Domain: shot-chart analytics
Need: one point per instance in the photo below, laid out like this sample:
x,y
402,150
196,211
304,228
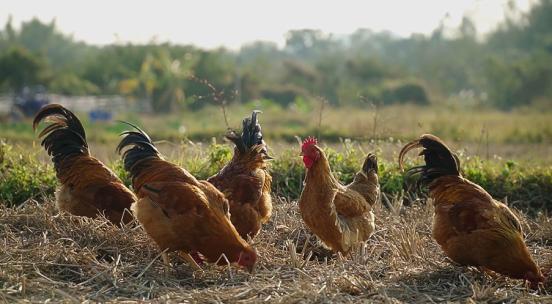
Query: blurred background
x,y
475,72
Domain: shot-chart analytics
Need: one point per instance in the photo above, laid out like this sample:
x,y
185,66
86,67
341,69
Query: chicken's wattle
x,y
308,161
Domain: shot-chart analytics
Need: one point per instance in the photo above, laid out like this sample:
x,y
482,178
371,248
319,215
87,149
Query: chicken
x,y
340,216
470,226
179,212
245,180
88,188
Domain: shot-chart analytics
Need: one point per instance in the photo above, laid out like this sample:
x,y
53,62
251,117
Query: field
x,y
477,126
68,259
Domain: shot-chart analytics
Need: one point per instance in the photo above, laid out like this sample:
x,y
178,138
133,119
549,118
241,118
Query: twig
x,y
217,95
374,105
487,143
323,102
45,277
66,295
150,263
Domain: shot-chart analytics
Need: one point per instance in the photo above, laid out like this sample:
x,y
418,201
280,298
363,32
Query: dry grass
x,y
451,123
61,258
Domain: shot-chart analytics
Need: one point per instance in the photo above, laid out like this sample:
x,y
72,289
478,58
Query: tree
x,y
19,68
161,79
468,29
308,43
7,37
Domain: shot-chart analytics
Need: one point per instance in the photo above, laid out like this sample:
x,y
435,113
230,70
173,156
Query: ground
x,y
62,258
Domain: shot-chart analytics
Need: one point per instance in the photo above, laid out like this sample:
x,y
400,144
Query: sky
x,y
232,23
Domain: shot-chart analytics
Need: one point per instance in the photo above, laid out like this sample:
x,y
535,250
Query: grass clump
x,y
23,177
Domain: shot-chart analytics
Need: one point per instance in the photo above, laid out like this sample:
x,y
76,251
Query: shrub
x,y
283,95
527,187
406,92
23,177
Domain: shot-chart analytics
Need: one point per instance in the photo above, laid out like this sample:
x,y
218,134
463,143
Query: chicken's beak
x,y
251,269
268,157
301,154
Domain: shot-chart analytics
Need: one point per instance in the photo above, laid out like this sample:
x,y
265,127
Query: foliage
x,y
520,80
160,79
283,95
18,67
405,92
22,177
528,187
71,84
507,69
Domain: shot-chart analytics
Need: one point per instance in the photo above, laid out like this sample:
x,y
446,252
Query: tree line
x,y
510,67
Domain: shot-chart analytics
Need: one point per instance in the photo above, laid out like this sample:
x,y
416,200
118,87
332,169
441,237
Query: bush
x,y
527,187
23,177
283,95
407,92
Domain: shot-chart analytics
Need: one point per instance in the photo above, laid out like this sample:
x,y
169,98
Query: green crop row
x,y
23,176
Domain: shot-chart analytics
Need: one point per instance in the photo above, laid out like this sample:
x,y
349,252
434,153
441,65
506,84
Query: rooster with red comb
x,y
340,216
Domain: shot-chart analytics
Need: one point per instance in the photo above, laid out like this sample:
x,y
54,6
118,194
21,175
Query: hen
x,y
340,216
88,188
470,226
179,212
245,180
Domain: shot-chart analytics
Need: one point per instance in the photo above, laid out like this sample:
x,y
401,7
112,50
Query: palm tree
x,y
161,80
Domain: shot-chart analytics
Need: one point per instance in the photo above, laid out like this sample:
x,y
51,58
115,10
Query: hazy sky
x,y
231,23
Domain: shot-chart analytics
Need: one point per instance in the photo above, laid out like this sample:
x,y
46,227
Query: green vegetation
x,y
528,187
23,177
511,67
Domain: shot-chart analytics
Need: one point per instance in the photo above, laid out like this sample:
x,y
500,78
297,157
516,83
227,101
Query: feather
x,y
439,160
64,137
141,147
251,133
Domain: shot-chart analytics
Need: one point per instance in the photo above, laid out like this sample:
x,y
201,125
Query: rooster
x,y
340,216
470,226
88,188
179,212
245,180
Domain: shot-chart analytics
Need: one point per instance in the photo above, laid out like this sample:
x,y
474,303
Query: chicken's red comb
x,y
309,141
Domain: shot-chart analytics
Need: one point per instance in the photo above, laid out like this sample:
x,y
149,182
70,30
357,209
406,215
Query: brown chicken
x,y
179,212
245,180
470,226
340,216
88,187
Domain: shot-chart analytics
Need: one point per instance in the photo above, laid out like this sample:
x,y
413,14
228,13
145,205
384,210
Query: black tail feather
x,y
65,135
141,147
370,164
251,133
439,160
